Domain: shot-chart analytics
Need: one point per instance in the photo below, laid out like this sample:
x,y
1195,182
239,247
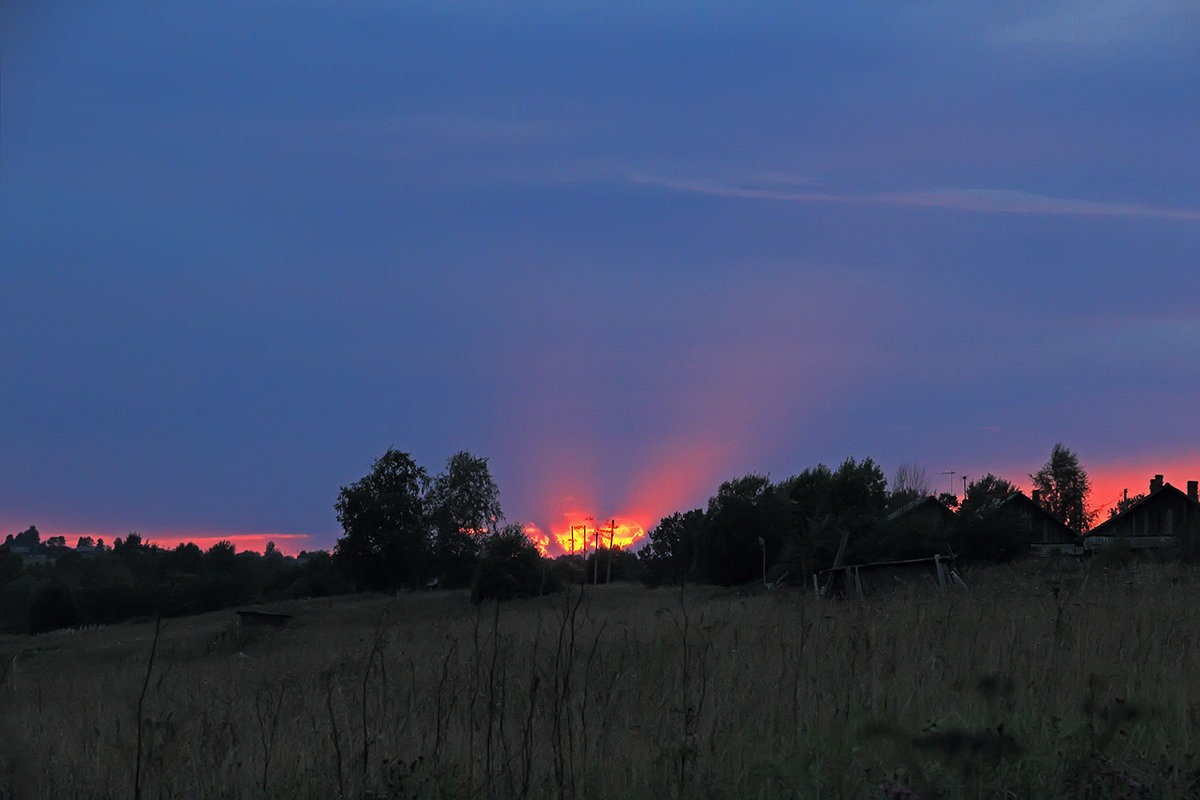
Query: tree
x,y
1063,488
383,516
727,549
28,538
984,493
910,483
1125,503
985,530
667,555
511,567
464,507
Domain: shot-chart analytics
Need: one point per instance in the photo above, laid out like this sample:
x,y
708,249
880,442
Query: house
x,y
926,513
1045,533
1155,521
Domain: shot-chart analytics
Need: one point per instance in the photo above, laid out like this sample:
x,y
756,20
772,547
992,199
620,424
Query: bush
x,y
511,567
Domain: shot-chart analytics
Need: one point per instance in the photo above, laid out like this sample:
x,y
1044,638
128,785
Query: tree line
x,y
403,528
753,528
46,585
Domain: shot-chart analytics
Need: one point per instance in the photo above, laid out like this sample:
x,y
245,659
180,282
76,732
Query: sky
x,y
625,250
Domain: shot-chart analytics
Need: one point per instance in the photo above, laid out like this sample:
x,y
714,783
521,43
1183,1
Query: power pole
x,y
951,473
612,530
964,477
596,558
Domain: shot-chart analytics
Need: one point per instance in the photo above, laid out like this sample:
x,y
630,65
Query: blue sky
x,y
248,246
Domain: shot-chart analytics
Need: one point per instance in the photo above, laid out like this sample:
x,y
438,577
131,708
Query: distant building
x,y
1044,532
1155,521
927,513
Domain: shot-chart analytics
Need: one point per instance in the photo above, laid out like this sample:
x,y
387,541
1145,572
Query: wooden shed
x,y
864,579
248,619
1044,532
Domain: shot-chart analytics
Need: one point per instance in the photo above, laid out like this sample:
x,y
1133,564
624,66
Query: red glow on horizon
x,y
1110,481
289,544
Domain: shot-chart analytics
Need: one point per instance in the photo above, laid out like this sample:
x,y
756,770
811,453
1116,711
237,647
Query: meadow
x,y
1044,679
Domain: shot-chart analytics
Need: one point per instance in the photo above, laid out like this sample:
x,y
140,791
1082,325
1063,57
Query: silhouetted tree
x,y
984,529
27,538
727,549
985,492
511,567
667,554
464,506
1064,487
1124,503
386,530
948,499
909,483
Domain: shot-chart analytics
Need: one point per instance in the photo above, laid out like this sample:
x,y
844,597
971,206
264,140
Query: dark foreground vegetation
x,y
1046,679
403,529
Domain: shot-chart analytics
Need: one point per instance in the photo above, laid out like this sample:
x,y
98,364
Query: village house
x,y
1045,533
1155,521
927,513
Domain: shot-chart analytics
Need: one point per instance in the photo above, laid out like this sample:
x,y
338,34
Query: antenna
x,y
951,473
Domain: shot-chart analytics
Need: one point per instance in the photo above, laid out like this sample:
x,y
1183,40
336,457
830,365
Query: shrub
x,y
511,567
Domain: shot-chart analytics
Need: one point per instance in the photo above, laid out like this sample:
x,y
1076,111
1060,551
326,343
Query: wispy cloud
x,y
1013,201
1102,23
979,200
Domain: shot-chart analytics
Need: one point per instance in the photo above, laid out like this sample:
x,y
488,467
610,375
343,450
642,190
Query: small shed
x,y
251,619
864,579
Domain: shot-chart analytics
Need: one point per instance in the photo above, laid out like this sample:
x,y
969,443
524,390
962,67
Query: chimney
x,y
1036,496
1193,492
1156,483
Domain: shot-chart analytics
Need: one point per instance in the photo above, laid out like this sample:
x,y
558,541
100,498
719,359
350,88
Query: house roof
x,y
1019,498
913,505
1166,490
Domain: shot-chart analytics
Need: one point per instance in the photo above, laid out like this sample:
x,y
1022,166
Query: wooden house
x,y
1155,521
927,513
1045,533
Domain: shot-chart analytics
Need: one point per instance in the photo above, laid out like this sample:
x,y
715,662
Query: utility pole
x,y
612,530
964,477
951,473
763,543
596,558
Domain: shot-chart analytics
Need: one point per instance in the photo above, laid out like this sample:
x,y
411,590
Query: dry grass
x,y
1041,681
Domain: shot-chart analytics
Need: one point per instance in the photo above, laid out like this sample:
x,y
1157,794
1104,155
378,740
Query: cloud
x,y
979,200
1101,23
1011,201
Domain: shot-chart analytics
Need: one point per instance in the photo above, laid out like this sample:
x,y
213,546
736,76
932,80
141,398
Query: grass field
x,y
1043,680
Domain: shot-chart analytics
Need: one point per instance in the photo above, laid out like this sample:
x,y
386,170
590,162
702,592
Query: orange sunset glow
x,y
579,533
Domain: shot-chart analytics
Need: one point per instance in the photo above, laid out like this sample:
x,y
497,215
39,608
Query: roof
x,y
1020,498
913,505
1165,490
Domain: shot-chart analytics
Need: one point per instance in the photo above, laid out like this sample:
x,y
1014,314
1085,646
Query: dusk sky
x,y
626,250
